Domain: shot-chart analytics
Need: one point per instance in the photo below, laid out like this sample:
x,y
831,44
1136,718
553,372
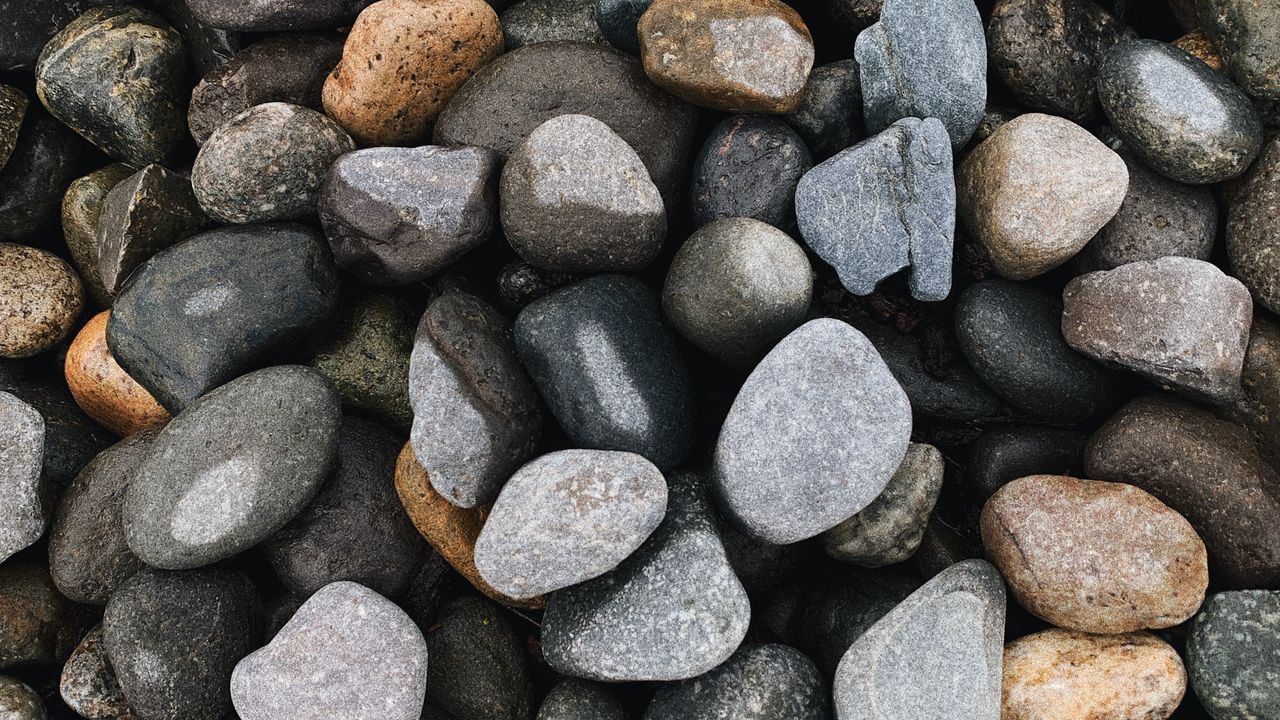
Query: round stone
x,y
88,684
477,664
24,514
829,116
574,699
760,682
1233,654
749,168
1007,452
39,626
40,300
102,388
1252,238
1244,33
534,21
18,701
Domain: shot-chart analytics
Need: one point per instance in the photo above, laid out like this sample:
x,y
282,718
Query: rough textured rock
x,y
534,21
890,529
760,682
574,699
748,167
829,116
102,388
1244,33
1094,556
477,670
48,157
1259,407
269,15
520,283
29,25
1252,238
1008,452
208,47
617,20
81,209
40,300
365,353
88,684
71,439
18,701
13,107
24,514
1233,654
39,627
140,216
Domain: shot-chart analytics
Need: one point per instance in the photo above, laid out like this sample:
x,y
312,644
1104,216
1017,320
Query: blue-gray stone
x,y
760,682
1233,654
618,19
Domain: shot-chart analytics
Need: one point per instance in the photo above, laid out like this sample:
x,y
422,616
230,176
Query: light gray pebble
x,y
23,514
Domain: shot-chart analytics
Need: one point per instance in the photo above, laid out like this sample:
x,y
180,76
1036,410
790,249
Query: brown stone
x,y
1197,44
38,626
89,686
40,300
102,388
744,56
1064,675
81,208
1095,556
402,62
451,530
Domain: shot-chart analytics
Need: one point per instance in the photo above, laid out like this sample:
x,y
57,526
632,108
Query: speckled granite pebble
x,y
40,300
574,699
760,682
18,701
534,21
13,107
1233,654
88,684
25,511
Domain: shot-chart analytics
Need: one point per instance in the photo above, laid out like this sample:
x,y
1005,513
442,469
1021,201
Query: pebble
x,y
1064,675
625,359
25,514
395,216
924,60
403,60
47,158
204,311
13,107
814,435
81,209
102,388
476,414
736,287
672,611
534,21
1184,120
1180,322
29,25
890,529
884,204
574,699
149,630
18,701
855,16
829,117
617,21
39,627
267,163
40,300
1007,452
140,216
1233,654
193,501
1252,240
1094,556
207,47
749,167
270,15
478,670
951,631
347,651
71,439
520,283
1036,191
1259,407
760,682
740,56
88,684
1244,33
117,76
1204,467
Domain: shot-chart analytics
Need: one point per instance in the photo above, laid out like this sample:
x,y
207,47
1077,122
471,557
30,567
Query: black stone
x,y
476,669
28,25
830,114
1009,452
47,158
749,167
618,20
272,15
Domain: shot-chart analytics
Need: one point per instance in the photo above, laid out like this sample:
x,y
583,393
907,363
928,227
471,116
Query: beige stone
x,y
40,300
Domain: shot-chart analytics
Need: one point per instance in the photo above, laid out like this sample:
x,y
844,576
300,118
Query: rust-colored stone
x,y
1199,45
102,388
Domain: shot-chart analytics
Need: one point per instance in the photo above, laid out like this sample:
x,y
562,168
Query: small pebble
x,y
1233,654
40,300
1007,452
1244,33
268,15
1252,216
81,209
748,167
13,107
18,701
88,684
829,116
617,21
140,216
534,21
520,283
25,514
477,665
39,626
574,699
760,682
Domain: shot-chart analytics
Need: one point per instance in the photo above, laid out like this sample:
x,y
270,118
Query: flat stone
x,y
1007,452
24,514
534,21
1180,322
365,354
884,204
760,682
88,684
194,501
18,701
1184,120
13,107
577,199
47,158
347,651
40,300
829,116
28,26
81,209
1233,654
813,436
1252,240
270,15
395,216
749,167
71,439
671,611
1244,33
102,388
1259,407
1094,556
478,669
39,626
617,20
951,630
1036,191
140,216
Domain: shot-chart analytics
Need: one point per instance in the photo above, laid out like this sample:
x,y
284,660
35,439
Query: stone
x,y
574,699
1005,453
760,682
402,61
1036,191
749,168
672,611
13,107
626,359
148,630
267,163
1252,239
1065,675
365,354
891,528
1243,34
288,68
140,216
520,283
1047,53
567,517
736,287
476,414
829,116
208,48
617,21
39,627
750,56
884,204
854,16
89,558
71,439
951,630
18,701
1198,45
1094,556
204,311
760,566
395,216
1233,654
117,76
358,501
575,198
29,25
1184,120
25,513
88,684
1204,467
534,21
1010,333
1258,409
1180,322
272,15
47,158
81,209
40,300
346,651
478,670
813,436
924,60
513,95
102,388
193,501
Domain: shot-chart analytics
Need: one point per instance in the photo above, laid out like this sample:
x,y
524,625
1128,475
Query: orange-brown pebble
x,y
102,388
402,62
451,530
40,300
1198,44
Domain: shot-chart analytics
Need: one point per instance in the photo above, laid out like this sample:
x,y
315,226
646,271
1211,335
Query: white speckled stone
x,y
23,514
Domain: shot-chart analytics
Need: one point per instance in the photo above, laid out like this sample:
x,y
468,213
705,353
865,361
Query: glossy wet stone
x,y
534,21
140,216
1252,240
748,167
365,354
25,512
1233,652
88,684
829,116
81,209
40,300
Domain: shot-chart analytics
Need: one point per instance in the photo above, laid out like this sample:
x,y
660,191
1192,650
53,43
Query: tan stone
x,y
1197,44
102,388
402,62
40,300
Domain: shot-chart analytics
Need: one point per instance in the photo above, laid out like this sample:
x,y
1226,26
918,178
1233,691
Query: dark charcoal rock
x,y
574,699
142,215
617,20
39,627
47,158
830,114
272,15
477,669
1252,240
760,682
1233,654
534,21
71,439
760,566
81,209
88,684
13,107
520,283
749,168
28,26
1245,34
208,48
1009,452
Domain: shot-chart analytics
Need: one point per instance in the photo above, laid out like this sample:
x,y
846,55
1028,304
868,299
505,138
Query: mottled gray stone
x,y
1233,654
1253,243
760,682
1244,33
924,60
23,514
347,652
567,517
534,21
88,684
18,701
830,114
813,436
883,204
476,415
576,198
140,216
950,631
671,611
233,468
365,353
395,216
748,167
1180,322
477,665
574,699
269,15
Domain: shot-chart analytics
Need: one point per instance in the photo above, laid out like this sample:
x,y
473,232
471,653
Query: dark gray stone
x,y
208,48
1009,452
574,699
24,514
39,626
760,682
18,701
535,21
88,684
274,15
71,439
1244,33
760,566
477,666
140,216
749,168
81,210
617,20
855,15
520,283
830,114
28,26
1233,654
13,107
47,158
1253,245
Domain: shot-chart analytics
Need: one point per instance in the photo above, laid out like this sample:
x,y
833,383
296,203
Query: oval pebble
x,y
40,300
102,388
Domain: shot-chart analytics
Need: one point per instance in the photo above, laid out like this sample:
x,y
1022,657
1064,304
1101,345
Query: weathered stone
x,y
1258,409
520,283
81,209
534,21
574,699
39,626
71,439
48,157
1233,654
270,15
208,48
1198,45
102,388
1244,33
1252,237
18,701
40,300
25,511
760,682
365,354
13,107
28,26
829,116
88,684
749,167
1005,453
140,216
477,665
617,20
